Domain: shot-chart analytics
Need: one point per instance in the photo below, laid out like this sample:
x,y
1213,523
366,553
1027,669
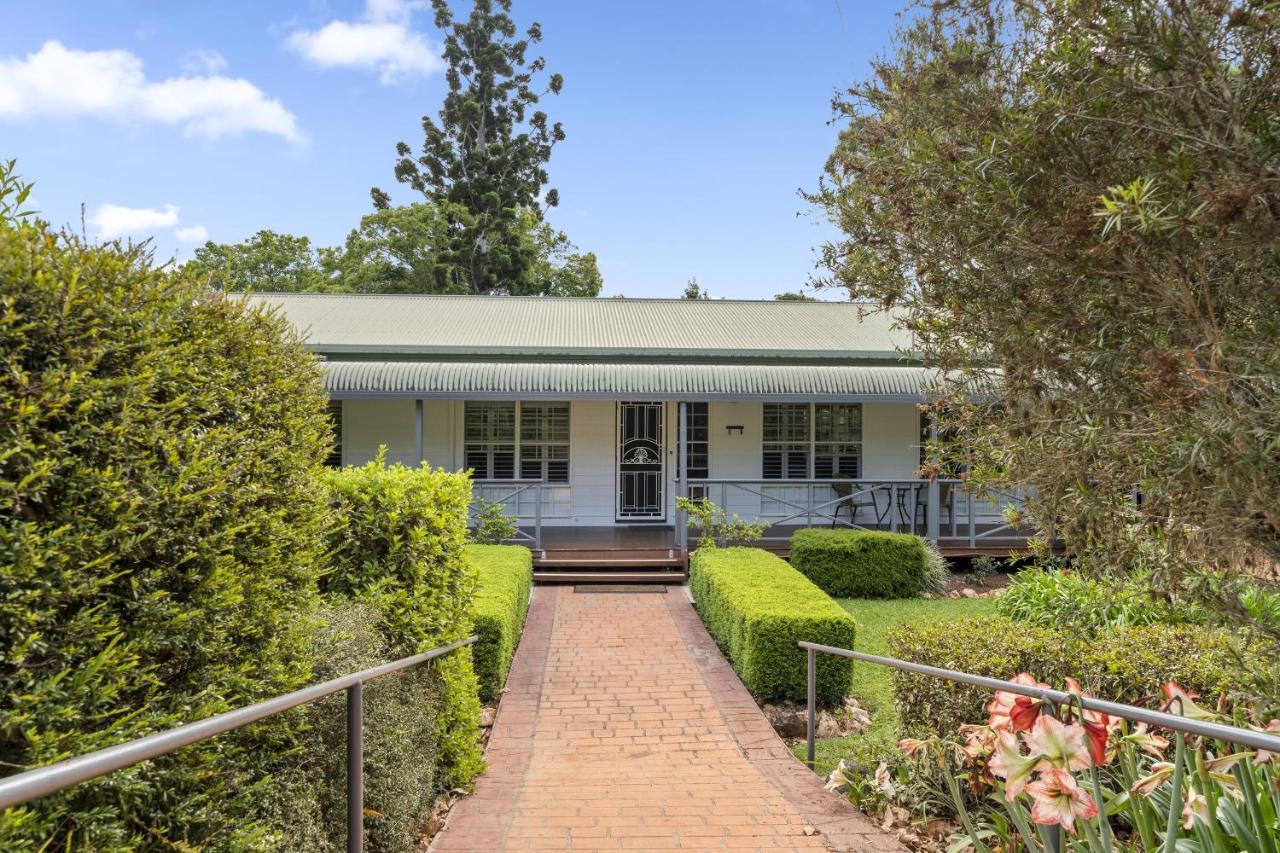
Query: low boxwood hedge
x,y
1127,665
861,563
504,579
758,608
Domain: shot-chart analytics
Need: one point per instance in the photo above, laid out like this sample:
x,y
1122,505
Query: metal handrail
x,y
1200,728
24,787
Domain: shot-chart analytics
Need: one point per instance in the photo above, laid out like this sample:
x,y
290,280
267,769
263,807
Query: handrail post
x,y
537,517
812,691
973,527
355,768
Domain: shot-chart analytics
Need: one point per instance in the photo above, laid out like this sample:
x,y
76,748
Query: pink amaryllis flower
x,y
1149,742
1194,807
1057,745
1014,711
912,746
1097,726
1011,765
1263,756
1160,773
1179,701
1057,799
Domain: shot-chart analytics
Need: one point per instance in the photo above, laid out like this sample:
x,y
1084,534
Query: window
x,y
787,441
334,460
697,447
489,436
697,454
804,440
492,444
837,449
544,442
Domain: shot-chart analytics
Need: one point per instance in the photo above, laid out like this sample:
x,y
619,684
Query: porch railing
x,y
24,787
508,493
1054,698
938,509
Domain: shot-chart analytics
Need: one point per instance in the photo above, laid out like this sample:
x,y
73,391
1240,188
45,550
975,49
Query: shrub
x,y
399,547
757,608
861,564
401,750
505,577
493,525
718,529
1053,597
1120,665
160,530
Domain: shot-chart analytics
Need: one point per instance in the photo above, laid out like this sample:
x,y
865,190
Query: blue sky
x,y
690,124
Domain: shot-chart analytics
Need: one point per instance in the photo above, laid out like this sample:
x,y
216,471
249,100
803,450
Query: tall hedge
x,y
502,599
758,608
160,530
1123,665
399,546
861,563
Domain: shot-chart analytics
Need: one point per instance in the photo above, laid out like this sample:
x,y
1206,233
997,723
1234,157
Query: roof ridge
x,y
571,299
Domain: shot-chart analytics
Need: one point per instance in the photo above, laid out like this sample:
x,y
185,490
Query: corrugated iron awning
x,y
523,380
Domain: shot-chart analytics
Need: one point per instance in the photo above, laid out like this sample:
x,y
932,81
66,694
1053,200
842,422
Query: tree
x,y
396,250
794,296
484,161
693,290
1085,197
267,261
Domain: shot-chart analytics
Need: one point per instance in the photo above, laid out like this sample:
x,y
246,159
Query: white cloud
x,y
204,62
382,40
114,221
194,234
59,81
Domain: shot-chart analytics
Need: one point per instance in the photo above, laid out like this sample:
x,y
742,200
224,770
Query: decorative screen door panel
x,y
640,462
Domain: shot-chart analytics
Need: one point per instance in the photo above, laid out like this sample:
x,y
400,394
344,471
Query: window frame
x,y
543,450
835,449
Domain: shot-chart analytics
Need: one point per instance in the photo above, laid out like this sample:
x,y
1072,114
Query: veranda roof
x,y
525,380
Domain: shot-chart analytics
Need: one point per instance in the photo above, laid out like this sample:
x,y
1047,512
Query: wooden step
x,y
610,562
608,576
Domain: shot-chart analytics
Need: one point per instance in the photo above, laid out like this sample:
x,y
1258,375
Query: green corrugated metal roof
x,y
448,327
511,380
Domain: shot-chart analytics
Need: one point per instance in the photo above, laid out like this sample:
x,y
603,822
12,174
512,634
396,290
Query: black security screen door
x,y
640,461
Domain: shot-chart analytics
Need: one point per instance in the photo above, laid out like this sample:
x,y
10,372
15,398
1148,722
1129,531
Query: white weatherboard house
x,y
588,417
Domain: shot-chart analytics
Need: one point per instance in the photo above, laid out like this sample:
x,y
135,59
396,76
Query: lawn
x,y
872,685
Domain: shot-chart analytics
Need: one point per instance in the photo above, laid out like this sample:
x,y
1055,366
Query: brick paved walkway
x,y
624,728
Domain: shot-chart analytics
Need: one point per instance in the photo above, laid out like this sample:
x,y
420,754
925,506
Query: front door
x,y
640,462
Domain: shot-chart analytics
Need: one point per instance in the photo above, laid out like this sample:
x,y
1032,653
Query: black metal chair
x,y
865,499
922,503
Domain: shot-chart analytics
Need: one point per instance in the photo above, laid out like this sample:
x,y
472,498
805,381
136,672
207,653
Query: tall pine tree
x,y
484,161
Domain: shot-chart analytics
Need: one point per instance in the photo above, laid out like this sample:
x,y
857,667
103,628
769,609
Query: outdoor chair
x,y
866,499
922,503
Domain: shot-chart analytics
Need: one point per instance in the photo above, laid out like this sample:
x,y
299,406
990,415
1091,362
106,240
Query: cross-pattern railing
x,y
938,509
511,501
24,787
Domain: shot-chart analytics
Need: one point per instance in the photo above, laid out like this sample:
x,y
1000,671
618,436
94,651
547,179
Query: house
x,y
587,418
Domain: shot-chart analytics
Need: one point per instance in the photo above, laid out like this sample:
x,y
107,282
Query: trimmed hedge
x,y
401,744
757,607
161,526
399,546
1120,665
505,578
861,564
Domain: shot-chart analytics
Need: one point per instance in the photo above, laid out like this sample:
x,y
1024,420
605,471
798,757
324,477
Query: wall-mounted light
x,y
734,429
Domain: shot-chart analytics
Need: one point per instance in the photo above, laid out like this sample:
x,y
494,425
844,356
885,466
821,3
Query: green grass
x,y
872,685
